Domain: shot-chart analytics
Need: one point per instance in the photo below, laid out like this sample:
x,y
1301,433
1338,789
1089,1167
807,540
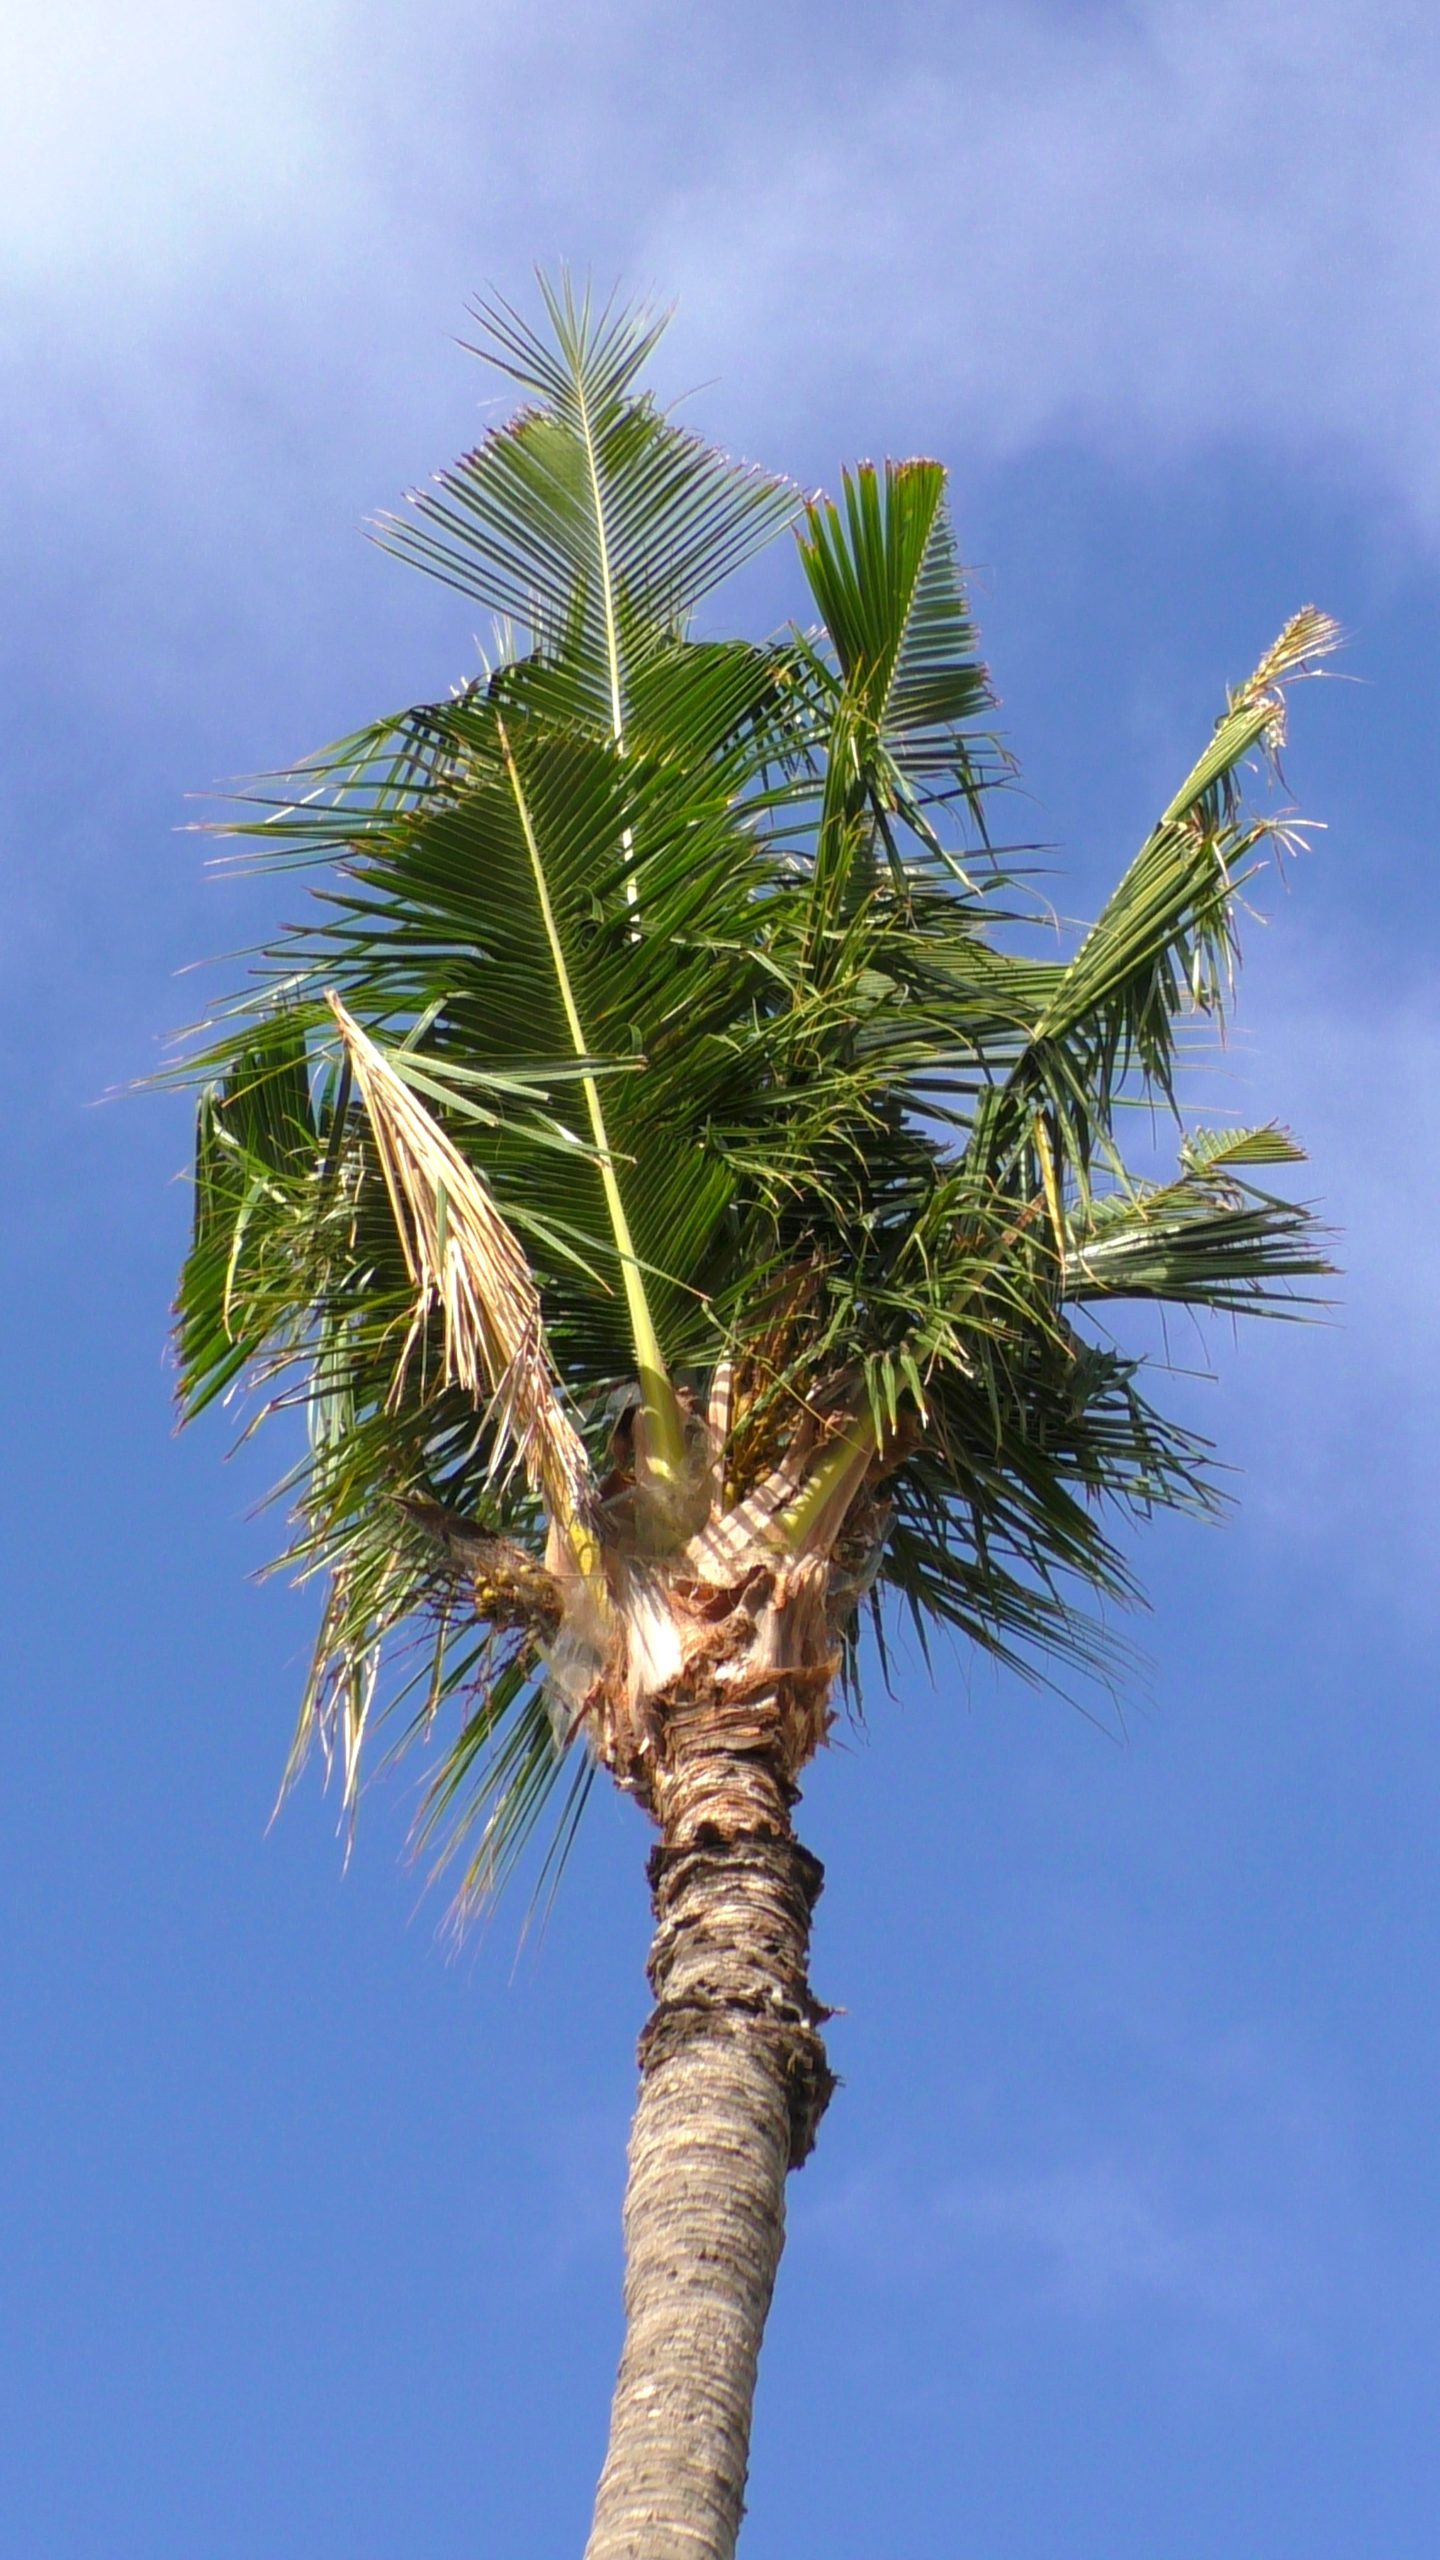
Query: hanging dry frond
x,y
465,1258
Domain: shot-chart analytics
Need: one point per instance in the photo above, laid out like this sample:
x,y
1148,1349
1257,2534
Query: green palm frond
x,y
884,572
1163,949
1210,1240
590,516
908,687
654,1024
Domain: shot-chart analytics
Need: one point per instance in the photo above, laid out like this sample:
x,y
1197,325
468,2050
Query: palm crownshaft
x,y
675,1208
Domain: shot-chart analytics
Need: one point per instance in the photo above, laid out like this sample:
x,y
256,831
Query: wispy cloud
x,y
133,142
1102,2239
1147,231
1338,1435
1103,2233
1227,2213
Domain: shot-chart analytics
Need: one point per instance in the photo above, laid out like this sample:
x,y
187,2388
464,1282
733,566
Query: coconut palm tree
x,y
687,1198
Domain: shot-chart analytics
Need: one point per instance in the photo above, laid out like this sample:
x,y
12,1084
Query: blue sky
x,y
1123,2236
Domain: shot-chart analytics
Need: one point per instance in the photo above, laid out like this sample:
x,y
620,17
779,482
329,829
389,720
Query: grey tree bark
x,y
734,2081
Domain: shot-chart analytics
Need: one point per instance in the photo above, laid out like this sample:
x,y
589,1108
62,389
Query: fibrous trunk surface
x,y
733,2071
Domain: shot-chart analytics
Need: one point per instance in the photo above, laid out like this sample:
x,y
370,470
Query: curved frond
x,y
1163,947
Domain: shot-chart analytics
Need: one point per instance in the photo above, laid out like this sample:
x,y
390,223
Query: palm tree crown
x,y
667,1126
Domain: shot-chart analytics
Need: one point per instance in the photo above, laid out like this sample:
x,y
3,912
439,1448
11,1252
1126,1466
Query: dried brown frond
x,y
465,1259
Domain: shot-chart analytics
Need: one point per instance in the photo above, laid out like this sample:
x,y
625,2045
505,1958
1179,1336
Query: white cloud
x,y
1148,230
1105,2238
1145,232
1338,1433
133,139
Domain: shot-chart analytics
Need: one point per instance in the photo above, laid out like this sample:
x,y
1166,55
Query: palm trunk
x,y
733,2084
